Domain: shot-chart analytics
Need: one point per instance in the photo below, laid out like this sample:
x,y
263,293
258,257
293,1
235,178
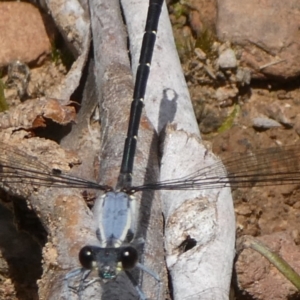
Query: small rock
x,y
225,93
244,211
186,32
215,46
243,76
200,54
276,112
265,123
209,70
227,60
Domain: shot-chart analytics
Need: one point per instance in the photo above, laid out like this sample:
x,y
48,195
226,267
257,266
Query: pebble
x,y
225,93
243,76
227,59
200,54
276,112
265,123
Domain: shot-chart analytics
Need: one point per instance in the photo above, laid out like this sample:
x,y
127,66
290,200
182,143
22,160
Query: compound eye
x,y
86,257
129,258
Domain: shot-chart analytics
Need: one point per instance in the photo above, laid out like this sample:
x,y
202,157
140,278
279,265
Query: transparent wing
x,y
271,166
18,167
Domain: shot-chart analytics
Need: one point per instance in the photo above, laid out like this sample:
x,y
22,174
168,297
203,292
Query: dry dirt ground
x,y
259,211
271,213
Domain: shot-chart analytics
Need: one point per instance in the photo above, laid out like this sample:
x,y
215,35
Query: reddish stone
x,y
23,35
267,30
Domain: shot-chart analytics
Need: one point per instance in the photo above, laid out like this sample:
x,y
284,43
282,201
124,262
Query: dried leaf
x,y
33,114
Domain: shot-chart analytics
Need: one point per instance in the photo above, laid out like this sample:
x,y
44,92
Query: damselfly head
x,y
103,260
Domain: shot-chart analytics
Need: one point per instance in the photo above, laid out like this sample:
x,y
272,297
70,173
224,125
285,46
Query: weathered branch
x,y
203,272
